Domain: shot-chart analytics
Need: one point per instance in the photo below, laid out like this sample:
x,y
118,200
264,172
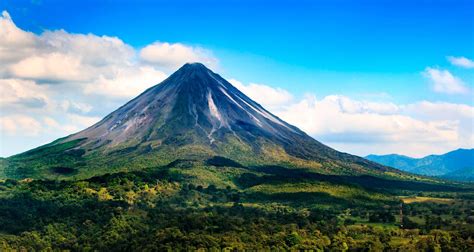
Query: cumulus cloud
x,y
101,65
50,67
426,110
14,124
362,127
174,55
444,82
83,121
412,129
329,118
22,94
15,43
75,107
267,96
126,83
59,57
461,61
30,126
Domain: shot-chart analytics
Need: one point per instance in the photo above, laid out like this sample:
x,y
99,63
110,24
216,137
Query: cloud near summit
x,y
175,55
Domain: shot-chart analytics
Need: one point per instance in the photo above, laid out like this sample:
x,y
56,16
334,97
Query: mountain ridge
x,y
457,164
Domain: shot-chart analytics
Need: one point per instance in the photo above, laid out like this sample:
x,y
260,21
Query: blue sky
x,y
366,51
304,46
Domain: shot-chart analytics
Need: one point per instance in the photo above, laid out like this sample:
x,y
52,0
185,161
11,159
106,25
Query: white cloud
x,y
51,122
350,106
329,117
362,127
22,94
267,96
75,107
444,82
14,43
426,110
126,83
100,65
83,121
19,124
461,61
89,48
71,123
414,129
50,67
174,55
59,57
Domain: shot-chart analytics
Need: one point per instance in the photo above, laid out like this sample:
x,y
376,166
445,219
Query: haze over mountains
x,y
193,116
457,164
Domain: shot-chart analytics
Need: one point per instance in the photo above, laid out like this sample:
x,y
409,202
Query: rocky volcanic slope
x,y
194,117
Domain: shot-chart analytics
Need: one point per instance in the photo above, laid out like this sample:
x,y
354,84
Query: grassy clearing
x,y
339,191
418,199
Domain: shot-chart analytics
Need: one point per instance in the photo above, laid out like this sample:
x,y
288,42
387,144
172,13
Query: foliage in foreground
x,y
165,209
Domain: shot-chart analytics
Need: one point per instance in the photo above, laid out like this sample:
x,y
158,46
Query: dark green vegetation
x,y
457,165
223,204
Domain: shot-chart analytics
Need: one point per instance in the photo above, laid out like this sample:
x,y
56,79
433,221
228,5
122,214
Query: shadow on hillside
x,y
296,198
279,174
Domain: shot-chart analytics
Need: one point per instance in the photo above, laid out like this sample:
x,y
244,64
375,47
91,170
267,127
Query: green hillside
x,y
223,204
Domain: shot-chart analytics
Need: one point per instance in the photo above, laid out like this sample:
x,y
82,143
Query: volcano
x,y
195,117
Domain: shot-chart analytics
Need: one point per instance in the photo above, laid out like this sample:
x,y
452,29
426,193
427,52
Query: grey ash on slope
x,y
198,103
193,98
195,108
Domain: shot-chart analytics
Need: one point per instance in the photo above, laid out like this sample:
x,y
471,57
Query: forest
x,y
165,209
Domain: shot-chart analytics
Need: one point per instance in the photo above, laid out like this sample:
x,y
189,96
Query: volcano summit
x,y
194,116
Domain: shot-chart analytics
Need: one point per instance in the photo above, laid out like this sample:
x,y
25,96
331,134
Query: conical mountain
x,y
194,115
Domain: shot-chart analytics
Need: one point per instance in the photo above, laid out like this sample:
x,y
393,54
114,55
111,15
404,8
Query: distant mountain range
x,y
457,164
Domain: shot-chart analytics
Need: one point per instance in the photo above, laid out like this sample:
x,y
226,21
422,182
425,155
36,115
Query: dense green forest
x,y
270,208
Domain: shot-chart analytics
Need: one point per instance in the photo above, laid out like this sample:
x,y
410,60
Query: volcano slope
x,y
193,163
193,116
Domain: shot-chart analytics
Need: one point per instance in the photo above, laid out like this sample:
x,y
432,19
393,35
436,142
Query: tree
x,y
293,239
339,243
